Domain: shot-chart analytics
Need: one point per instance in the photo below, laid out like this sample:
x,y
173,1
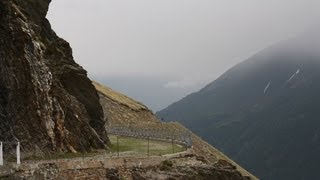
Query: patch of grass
x,y
121,98
61,155
140,146
71,155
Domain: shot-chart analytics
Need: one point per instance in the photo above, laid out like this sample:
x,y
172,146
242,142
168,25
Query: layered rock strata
x,y
46,100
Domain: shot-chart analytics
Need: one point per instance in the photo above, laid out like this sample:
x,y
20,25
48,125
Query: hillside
x,y
124,111
263,111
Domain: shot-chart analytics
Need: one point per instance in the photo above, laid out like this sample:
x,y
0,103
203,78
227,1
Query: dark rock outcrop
x,y
46,99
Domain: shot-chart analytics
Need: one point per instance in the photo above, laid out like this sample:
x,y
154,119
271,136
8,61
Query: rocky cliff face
x,y
46,100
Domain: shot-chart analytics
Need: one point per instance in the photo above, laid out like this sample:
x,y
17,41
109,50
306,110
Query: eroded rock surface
x,y
134,168
46,100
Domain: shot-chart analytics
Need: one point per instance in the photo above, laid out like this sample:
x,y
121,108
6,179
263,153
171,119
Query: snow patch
x,y
294,74
267,87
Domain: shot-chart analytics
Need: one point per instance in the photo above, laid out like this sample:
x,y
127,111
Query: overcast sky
x,y
186,43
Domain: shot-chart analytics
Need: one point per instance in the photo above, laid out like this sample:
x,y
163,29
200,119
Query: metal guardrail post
x,y
148,147
1,154
35,153
172,146
118,145
18,154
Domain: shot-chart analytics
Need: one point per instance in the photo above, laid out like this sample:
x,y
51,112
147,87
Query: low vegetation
x,y
140,146
123,99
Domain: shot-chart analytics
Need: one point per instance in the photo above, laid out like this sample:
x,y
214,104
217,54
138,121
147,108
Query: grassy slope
x,y
120,98
140,146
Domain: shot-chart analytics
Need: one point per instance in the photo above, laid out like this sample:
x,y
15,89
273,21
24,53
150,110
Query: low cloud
x,y
188,83
180,84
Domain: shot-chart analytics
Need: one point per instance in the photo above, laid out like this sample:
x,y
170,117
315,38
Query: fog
x,y
171,48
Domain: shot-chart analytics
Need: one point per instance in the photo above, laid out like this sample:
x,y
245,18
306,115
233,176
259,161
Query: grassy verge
x,y
53,156
140,146
126,145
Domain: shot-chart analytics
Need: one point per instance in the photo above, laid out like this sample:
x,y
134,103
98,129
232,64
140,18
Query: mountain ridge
x,y
261,107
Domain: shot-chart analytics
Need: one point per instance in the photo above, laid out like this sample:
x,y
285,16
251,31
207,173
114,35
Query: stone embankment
x,y
183,165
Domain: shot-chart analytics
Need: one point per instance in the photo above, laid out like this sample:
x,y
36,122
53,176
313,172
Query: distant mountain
x,y
263,112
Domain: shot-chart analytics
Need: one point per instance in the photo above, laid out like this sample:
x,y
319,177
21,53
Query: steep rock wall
x,y
46,100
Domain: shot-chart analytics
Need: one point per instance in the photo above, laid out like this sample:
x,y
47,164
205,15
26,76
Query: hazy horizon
x,y
172,48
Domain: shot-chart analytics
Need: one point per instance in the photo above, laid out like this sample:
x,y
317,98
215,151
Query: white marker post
x,y
1,154
18,154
